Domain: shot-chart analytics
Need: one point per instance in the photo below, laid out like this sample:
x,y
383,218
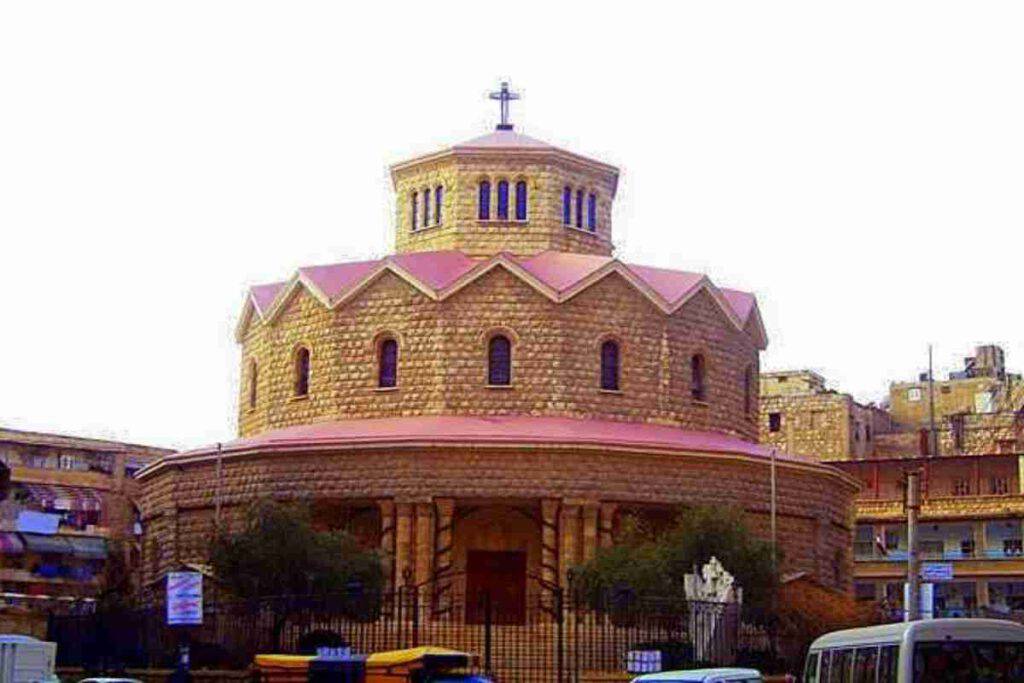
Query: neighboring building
x,y
973,491
70,503
799,415
486,404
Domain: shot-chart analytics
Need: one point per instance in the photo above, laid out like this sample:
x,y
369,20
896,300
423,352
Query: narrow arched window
x,y
698,381
592,212
253,382
426,207
499,361
302,371
567,205
521,201
579,208
610,366
484,202
502,200
438,201
387,364
748,390
415,208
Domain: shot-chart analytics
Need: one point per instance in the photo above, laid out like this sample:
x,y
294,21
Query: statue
x,y
714,600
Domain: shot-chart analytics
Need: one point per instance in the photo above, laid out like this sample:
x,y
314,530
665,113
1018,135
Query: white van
x,y
983,650
703,676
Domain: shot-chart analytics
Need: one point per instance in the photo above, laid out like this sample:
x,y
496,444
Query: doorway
x,y
500,578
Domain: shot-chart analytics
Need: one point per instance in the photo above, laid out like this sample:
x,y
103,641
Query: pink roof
x,y
263,295
436,269
506,139
334,280
671,285
495,431
741,302
560,270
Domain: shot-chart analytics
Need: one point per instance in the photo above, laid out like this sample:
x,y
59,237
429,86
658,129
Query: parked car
x,y
703,676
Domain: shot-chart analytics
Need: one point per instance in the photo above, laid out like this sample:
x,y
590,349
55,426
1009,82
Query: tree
x,y
280,553
647,563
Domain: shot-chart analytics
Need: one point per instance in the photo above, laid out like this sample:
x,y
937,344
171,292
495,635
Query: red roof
x,y
510,430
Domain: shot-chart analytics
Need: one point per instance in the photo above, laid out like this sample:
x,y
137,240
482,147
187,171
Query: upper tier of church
x,y
504,192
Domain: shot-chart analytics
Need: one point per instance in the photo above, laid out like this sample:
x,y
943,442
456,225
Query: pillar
x,y
570,533
444,511
607,528
549,514
981,592
403,543
980,538
424,553
387,539
590,516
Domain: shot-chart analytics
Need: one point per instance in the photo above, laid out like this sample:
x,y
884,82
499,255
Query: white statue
x,y
714,598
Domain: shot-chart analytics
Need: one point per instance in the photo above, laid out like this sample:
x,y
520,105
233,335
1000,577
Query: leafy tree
x,y
652,564
280,553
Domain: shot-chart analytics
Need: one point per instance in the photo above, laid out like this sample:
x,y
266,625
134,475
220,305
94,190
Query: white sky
x,y
858,165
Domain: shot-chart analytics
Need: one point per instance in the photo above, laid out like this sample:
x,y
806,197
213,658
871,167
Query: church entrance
x,y
500,577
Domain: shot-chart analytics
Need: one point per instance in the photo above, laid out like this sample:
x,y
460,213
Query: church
x,y
487,403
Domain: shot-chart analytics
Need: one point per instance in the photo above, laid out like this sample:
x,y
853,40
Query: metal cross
x,y
504,96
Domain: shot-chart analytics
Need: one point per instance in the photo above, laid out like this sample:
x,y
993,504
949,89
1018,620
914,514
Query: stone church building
x,y
485,404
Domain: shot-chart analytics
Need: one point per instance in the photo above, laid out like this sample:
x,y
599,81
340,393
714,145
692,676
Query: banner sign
x,y
184,599
937,571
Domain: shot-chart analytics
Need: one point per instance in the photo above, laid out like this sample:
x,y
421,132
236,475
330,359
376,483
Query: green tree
x,y
652,564
280,553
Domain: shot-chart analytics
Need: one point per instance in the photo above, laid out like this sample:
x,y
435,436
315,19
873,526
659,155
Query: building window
x,y
774,422
253,378
867,432
502,200
914,394
484,202
998,486
567,205
610,366
579,208
698,387
415,209
302,371
426,208
961,486
387,364
592,213
748,391
521,200
499,361
438,201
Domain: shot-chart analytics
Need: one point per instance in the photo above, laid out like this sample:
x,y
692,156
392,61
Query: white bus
x,y
931,651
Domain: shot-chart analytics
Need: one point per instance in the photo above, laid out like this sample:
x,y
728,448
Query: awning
x,y
50,545
10,544
70,498
88,547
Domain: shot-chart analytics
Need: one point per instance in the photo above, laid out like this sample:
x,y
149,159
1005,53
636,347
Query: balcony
x,y
946,508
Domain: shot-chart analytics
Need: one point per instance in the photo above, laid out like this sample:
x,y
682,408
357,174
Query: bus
x,y
930,651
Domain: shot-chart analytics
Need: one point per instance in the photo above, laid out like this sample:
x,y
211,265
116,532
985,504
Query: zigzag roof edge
x,y
513,265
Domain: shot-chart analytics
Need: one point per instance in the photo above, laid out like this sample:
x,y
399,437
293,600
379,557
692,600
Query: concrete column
x,y
981,592
549,513
590,516
387,539
980,539
444,509
570,533
607,528
424,542
404,560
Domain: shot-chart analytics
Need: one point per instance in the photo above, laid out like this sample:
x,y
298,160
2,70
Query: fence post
x,y
559,606
415,615
488,616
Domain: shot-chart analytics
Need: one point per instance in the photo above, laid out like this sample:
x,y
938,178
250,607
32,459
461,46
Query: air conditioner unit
x,y
24,659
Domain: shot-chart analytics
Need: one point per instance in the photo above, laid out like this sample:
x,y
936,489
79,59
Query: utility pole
x,y
217,488
934,450
913,606
773,506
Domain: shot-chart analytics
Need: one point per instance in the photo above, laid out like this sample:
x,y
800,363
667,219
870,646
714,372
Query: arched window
x,y
302,371
592,212
484,203
502,200
438,201
748,390
415,210
567,205
426,207
521,200
698,381
387,364
579,208
610,366
499,361
253,379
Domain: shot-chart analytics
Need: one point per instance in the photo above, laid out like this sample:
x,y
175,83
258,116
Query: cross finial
x,y
504,96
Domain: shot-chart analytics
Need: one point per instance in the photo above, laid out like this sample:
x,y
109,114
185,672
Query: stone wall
x,y
556,359
814,501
